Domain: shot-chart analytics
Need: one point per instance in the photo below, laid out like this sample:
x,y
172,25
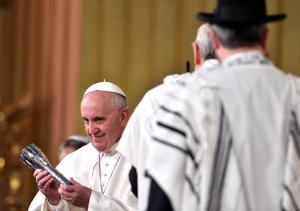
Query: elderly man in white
x,y
98,173
135,140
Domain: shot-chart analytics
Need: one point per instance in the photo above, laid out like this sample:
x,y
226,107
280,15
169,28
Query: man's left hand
x,y
75,194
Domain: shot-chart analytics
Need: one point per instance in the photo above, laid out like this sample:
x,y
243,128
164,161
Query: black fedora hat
x,y
237,12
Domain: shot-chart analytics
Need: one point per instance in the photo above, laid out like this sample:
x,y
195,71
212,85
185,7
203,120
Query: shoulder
x,y
295,80
87,150
149,102
176,78
80,164
82,156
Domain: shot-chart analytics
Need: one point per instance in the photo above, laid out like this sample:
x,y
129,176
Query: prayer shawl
x,y
136,136
83,166
230,140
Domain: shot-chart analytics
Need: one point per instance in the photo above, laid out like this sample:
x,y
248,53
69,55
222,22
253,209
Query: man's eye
x,y
99,121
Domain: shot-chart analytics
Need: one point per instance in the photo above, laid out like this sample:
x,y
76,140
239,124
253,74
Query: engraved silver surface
x,y
34,158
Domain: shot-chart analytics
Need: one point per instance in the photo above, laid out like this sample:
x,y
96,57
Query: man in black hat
x,y
230,140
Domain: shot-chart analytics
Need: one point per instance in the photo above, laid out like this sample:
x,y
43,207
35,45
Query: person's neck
x,y
223,53
111,150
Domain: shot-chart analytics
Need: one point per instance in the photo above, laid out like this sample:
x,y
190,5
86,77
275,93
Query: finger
x,y
45,179
72,181
49,182
41,175
65,194
60,190
41,183
68,199
63,189
69,188
36,172
40,187
62,186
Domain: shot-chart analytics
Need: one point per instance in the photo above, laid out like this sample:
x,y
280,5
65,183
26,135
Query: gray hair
x,y
240,36
204,42
118,101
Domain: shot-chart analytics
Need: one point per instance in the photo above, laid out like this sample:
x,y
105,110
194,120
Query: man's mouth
x,y
97,136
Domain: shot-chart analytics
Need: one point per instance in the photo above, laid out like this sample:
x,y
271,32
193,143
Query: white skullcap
x,y
106,87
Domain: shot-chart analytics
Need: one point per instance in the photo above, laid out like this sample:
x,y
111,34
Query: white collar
x,y
210,63
247,57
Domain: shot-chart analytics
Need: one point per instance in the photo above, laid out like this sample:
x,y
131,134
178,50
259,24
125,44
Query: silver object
x,y
34,158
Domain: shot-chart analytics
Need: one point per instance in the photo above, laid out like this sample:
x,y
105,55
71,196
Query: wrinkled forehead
x,y
97,100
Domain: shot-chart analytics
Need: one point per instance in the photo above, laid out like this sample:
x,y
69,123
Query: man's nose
x,y
92,128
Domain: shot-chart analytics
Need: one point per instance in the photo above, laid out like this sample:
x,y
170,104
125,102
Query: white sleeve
x,y
40,203
62,205
37,202
100,202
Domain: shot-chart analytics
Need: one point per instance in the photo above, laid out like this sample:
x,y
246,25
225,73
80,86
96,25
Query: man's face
x,y
104,123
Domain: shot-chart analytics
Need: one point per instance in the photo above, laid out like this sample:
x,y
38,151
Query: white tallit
x,y
230,141
136,137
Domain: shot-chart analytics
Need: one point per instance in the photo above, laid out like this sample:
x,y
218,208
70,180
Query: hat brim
x,y
211,18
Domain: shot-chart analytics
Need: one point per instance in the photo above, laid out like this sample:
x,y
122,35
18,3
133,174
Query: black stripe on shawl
x,y
190,183
295,132
220,163
292,198
176,147
190,128
185,120
173,129
186,152
157,199
133,179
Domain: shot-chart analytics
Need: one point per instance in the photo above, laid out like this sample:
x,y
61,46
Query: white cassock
x,y
83,166
137,134
230,141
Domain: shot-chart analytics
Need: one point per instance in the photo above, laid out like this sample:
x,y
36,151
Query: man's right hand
x,y
47,186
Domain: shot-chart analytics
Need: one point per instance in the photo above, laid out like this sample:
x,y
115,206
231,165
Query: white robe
x,y
83,166
137,134
230,140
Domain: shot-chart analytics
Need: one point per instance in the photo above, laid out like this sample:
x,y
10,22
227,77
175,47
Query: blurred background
x,y
52,50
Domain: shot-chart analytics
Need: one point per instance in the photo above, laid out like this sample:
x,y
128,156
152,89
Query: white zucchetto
x,y
106,87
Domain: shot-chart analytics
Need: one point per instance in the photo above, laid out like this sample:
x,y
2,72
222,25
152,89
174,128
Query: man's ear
x,y
197,55
124,117
215,40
